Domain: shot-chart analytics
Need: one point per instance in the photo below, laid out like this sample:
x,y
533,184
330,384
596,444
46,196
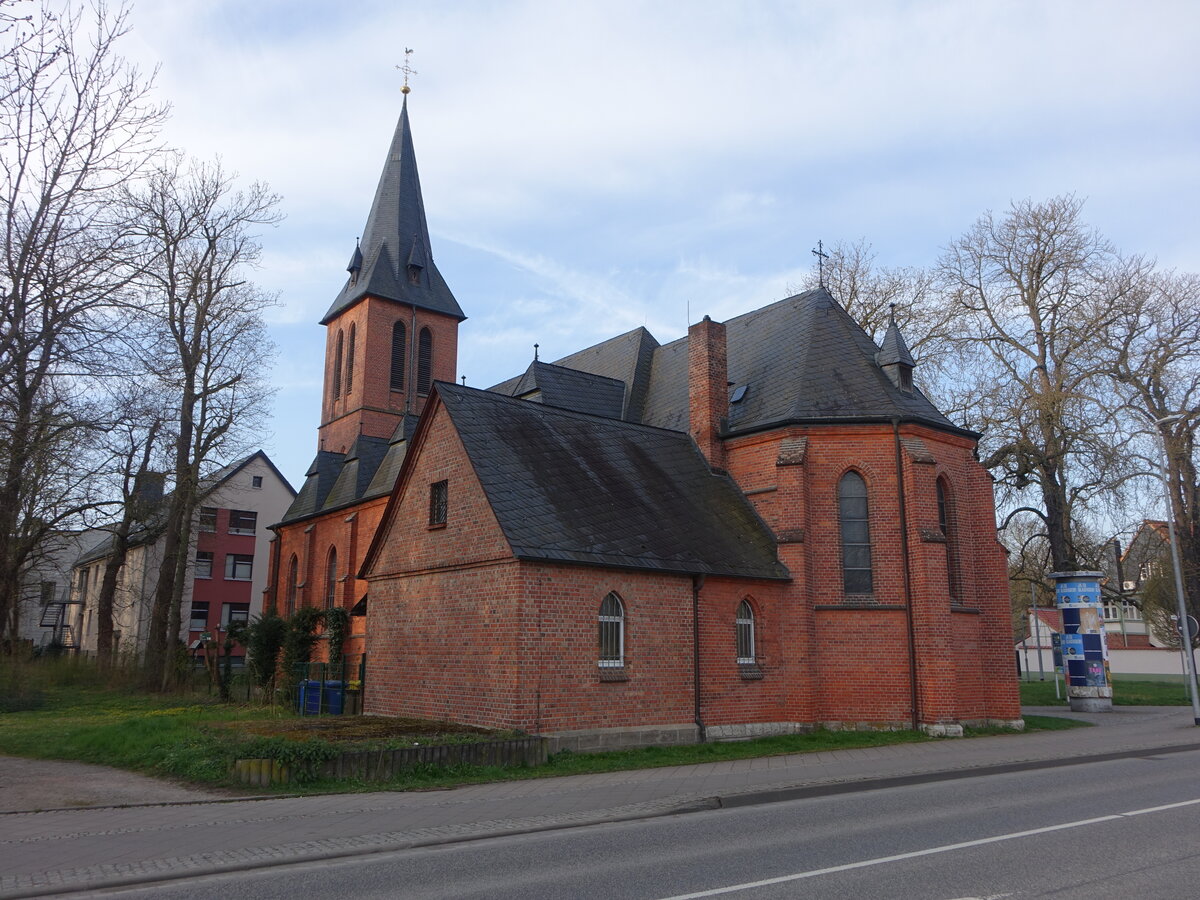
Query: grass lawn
x,y
1125,693
197,740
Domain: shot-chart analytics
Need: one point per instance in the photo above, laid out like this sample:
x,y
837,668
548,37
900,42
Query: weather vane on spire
x,y
407,70
821,256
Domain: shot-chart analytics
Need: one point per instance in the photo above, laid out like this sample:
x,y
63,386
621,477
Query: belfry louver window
x,y
424,361
399,348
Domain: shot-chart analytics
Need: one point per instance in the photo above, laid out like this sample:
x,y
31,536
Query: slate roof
x,y
570,487
367,470
626,358
894,349
571,389
801,359
396,237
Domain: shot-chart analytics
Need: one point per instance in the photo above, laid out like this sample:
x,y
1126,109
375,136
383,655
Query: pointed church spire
x,y
394,256
894,357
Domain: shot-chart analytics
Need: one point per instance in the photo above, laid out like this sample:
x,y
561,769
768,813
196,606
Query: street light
x,y
1185,633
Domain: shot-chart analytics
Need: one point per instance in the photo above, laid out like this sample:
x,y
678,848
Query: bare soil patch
x,y
361,729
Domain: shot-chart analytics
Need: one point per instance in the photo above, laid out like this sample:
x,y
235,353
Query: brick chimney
x,y
708,388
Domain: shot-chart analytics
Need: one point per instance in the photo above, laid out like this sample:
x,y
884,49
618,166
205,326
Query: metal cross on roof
x,y
407,70
821,256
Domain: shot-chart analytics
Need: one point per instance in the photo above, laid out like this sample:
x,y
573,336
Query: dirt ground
x,y
27,785
354,728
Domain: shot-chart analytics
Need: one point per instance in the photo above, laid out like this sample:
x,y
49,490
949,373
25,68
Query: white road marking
x,y
946,848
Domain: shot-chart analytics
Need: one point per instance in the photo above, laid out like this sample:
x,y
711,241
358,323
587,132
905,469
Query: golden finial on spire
x,y
407,70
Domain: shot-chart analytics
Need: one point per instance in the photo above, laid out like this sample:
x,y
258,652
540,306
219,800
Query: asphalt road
x,y
1121,829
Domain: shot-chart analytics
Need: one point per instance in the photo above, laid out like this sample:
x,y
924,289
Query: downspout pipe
x,y
697,584
908,599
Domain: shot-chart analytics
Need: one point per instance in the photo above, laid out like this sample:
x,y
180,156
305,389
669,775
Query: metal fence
x,y
330,688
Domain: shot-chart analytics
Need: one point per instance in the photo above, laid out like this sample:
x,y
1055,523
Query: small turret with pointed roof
x,y
394,260
894,358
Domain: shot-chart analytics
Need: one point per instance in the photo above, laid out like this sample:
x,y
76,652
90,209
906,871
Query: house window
x,y
399,346
204,563
256,481
424,361
944,523
744,625
438,500
612,632
856,534
331,579
234,612
336,387
208,518
199,618
350,362
242,521
47,592
238,567
292,583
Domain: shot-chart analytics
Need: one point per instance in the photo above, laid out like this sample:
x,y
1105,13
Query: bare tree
x,y
132,444
1152,353
210,350
1032,294
76,124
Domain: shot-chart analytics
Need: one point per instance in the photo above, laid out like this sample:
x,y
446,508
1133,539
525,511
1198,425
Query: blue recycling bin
x,y
308,698
335,697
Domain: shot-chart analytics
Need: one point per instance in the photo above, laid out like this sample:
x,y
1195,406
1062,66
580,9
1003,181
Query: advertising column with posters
x,y
1084,648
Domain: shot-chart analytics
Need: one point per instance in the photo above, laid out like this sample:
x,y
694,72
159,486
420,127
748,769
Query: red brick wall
x,y
371,405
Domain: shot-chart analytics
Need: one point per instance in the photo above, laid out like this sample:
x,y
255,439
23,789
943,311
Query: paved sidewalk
x,y
70,849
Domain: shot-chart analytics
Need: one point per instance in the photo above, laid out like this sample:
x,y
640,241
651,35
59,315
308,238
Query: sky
x,y
589,167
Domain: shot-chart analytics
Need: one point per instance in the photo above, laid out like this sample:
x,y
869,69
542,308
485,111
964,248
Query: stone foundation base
x,y
754,730
1091,704
596,739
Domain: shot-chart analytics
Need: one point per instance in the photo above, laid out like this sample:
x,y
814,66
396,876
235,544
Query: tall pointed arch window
x,y
336,384
399,352
350,361
855,525
612,632
331,578
292,585
946,524
744,628
424,361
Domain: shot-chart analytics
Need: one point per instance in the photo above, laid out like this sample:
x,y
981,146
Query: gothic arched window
x,y
856,534
350,362
331,579
336,386
292,579
946,524
744,626
612,631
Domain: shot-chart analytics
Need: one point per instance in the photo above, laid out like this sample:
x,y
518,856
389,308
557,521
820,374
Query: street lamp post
x,y
1184,631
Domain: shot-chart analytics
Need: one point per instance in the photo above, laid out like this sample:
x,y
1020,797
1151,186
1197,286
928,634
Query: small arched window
x,y
424,361
744,625
612,632
331,579
399,351
350,361
292,585
856,534
946,524
336,386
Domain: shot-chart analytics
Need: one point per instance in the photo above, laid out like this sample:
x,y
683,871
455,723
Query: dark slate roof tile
x,y
397,235
571,487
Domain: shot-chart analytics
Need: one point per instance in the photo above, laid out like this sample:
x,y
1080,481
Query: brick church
x,y
761,527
